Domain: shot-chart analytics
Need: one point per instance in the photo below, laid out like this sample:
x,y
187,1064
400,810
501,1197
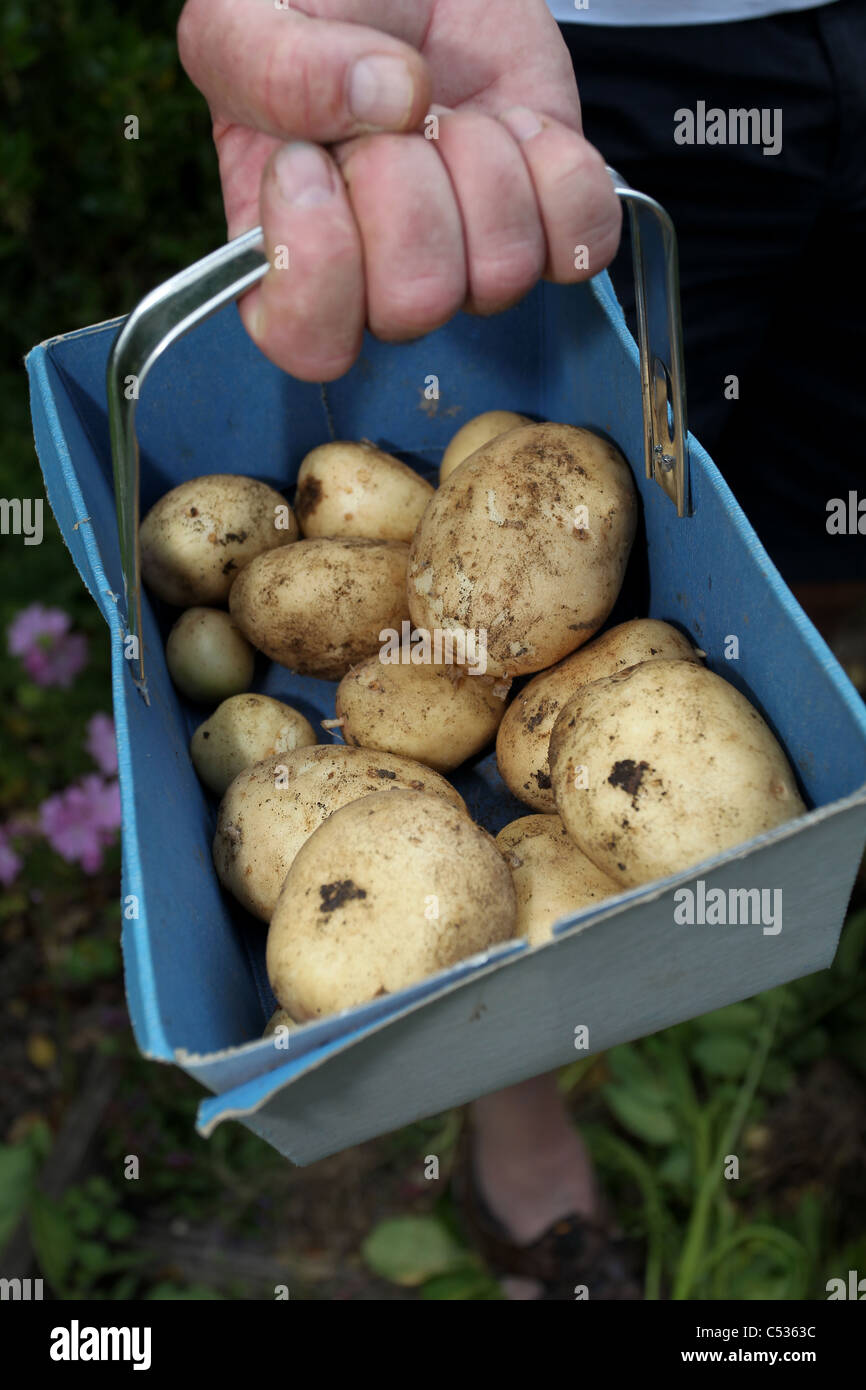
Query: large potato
x,y
526,542
244,730
389,890
319,606
552,877
480,430
198,537
271,808
347,489
663,765
439,715
208,657
524,734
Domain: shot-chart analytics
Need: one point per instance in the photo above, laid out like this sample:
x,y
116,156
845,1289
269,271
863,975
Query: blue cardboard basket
x,y
194,962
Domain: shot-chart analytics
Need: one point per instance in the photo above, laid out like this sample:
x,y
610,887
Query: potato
x,y
319,606
271,808
439,715
199,536
244,730
349,489
677,766
279,1019
207,656
473,434
524,734
552,877
389,890
526,543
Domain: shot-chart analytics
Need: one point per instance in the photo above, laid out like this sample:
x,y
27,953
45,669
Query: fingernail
x,y
381,91
303,175
522,122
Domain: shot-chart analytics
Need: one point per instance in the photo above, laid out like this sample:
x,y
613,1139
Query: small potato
x,y
662,765
319,606
524,734
279,1019
527,544
389,890
473,434
271,808
552,877
244,730
199,536
439,715
208,657
347,489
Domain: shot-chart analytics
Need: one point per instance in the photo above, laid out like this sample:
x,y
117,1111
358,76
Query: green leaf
x,y
640,1114
735,1018
178,1293
16,1175
462,1285
852,946
723,1054
53,1239
408,1250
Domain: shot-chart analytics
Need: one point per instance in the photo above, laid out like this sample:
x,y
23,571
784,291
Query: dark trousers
x,y
772,251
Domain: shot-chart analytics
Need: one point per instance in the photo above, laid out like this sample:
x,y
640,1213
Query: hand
x,y
387,227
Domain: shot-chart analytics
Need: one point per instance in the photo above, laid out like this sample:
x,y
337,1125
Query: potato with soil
x,y
319,606
552,877
439,715
244,730
200,535
391,889
208,657
662,765
271,808
527,542
347,489
473,434
524,734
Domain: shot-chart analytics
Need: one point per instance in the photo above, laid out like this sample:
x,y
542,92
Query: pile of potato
x,y
633,759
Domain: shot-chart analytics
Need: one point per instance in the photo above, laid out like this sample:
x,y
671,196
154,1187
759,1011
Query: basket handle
x,y
191,296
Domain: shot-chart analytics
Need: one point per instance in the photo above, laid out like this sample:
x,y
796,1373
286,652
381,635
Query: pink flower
x,y
10,862
50,653
100,744
80,822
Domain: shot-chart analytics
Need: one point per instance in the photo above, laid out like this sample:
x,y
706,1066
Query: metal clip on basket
x,y
182,302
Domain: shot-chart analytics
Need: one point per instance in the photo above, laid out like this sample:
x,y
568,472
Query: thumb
x,y
287,75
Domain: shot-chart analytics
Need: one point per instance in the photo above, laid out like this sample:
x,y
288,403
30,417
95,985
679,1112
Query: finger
x,y
291,76
581,213
308,313
504,238
414,259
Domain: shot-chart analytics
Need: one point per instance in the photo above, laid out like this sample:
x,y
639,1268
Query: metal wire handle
x,y
176,306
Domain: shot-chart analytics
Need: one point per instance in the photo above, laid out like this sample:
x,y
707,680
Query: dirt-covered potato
x,y
524,734
319,606
271,808
279,1019
480,430
197,538
527,541
552,877
208,657
663,765
347,489
389,890
439,715
242,731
